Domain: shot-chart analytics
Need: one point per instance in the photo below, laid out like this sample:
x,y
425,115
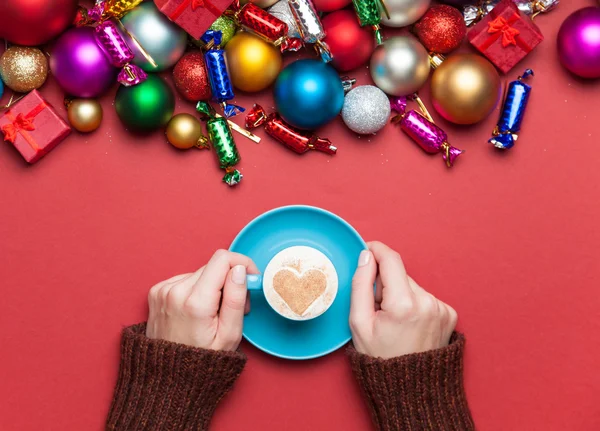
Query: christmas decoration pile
x,y
217,47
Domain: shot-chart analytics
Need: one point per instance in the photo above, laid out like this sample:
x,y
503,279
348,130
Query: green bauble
x,y
146,106
226,26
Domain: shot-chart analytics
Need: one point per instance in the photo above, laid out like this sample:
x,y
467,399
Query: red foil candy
x,y
299,141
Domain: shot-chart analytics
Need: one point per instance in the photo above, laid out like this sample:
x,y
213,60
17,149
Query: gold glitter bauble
x,y
184,131
23,68
85,115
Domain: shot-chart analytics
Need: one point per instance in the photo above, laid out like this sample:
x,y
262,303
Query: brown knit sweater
x,y
171,387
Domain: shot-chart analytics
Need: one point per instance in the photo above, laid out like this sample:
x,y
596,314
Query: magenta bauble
x,y
579,42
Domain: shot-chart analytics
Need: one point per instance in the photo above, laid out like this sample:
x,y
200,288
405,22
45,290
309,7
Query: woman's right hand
x,y
400,317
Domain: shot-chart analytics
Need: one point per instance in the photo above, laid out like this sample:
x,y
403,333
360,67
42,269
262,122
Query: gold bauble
x,y
465,89
253,63
263,4
184,131
23,68
85,115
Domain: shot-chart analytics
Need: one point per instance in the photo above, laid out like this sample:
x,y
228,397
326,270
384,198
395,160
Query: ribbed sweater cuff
x,y
422,391
169,386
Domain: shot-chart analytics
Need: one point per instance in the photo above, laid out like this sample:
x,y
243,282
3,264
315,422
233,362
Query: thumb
x,y
231,315
362,303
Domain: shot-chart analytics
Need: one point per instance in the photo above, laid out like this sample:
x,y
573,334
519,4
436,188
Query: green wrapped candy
x,y
368,13
222,140
226,26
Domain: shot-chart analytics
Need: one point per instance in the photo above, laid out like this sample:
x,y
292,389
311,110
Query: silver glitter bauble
x,y
282,10
366,109
400,65
403,12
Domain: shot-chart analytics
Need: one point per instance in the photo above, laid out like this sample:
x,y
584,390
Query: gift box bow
x,y
501,27
21,124
194,5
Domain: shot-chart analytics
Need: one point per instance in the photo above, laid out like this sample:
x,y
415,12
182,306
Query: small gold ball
x,y
465,89
253,64
85,115
23,68
184,131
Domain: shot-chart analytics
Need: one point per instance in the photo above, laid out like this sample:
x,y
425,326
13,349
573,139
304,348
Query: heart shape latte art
x,y
299,291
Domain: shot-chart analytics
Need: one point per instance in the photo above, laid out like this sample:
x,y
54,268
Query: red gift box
x,y
33,127
194,16
505,36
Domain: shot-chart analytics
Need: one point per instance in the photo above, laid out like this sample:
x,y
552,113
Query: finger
x,y
231,315
396,288
378,290
362,301
206,292
247,307
415,287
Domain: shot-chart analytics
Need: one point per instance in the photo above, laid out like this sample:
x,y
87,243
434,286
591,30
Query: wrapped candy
x,y
422,130
266,26
296,140
222,140
310,26
517,96
535,7
475,13
119,53
218,75
368,13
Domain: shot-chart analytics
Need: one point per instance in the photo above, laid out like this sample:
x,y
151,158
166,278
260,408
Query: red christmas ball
x,y
191,78
330,5
351,45
35,22
442,29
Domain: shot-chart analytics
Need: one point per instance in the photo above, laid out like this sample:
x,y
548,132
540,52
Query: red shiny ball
x,y
351,45
191,78
442,29
35,22
330,5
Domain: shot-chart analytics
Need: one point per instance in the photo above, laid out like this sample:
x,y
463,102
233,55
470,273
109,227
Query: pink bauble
x,y
579,42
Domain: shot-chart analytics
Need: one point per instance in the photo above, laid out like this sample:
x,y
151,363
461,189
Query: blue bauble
x,y
1,88
308,94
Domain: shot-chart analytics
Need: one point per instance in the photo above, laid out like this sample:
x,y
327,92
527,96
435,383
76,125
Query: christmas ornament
x,y
119,53
266,26
1,88
310,27
79,65
308,94
84,115
193,16
146,106
299,141
465,89
330,5
282,11
218,74
114,8
253,63
421,129
505,36
579,43
400,65
35,22
263,4
23,69
191,78
366,110
33,127
535,7
163,40
184,131
404,12
351,45
226,25
369,14
442,29
457,2
222,141
515,103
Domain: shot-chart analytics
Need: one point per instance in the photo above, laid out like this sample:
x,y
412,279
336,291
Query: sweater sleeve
x,y
417,392
169,386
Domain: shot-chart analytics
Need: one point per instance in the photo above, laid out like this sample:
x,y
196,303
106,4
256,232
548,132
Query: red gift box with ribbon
x,y
33,127
505,36
194,16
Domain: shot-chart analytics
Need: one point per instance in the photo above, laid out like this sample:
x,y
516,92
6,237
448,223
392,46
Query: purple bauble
x,y
80,66
579,42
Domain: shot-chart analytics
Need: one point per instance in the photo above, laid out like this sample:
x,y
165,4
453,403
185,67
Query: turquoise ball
x,y
308,94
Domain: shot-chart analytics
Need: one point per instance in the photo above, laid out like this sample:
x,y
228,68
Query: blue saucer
x,y
285,227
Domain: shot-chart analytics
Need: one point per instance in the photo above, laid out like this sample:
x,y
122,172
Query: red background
x,y
509,239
